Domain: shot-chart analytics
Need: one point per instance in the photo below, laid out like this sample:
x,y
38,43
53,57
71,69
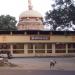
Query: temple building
x,y
31,40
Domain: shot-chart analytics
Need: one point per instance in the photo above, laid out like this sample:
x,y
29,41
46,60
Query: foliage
x,y
7,22
62,17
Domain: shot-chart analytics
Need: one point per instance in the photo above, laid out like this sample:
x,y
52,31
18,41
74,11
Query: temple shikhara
x,y
31,40
30,19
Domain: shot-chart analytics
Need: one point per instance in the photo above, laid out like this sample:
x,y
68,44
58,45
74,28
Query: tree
x,y
7,23
62,16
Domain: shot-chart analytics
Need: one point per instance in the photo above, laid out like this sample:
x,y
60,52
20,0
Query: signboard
x,y
39,37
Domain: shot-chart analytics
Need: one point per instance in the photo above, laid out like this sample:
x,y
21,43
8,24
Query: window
x,y
49,46
30,46
60,48
71,45
71,48
40,48
4,46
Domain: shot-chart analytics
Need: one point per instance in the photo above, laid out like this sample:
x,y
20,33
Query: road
x,y
44,63
65,59
40,66
35,72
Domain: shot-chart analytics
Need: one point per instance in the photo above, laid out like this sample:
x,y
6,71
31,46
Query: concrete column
x,y
10,33
25,33
11,49
45,48
53,49
66,48
34,49
25,49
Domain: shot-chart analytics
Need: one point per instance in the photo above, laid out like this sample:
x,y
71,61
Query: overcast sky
x,y
16,7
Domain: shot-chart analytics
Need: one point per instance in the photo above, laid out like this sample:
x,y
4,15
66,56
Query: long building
x,y
38,43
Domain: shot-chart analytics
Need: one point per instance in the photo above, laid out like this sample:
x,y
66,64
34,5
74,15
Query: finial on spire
x,y
29,5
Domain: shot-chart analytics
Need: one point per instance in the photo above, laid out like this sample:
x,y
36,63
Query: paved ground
x,y
63,64
35,72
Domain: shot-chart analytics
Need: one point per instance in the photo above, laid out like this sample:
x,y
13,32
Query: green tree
x,y
62,15
7,23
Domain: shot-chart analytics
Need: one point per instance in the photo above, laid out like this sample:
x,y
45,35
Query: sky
x,y
16,7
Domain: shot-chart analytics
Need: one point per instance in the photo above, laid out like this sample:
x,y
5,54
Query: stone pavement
x,y
41,64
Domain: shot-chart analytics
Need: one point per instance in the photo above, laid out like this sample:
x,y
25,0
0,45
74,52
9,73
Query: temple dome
x,y
30,19
30,13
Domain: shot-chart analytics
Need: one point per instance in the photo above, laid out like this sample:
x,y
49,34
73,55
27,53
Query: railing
x,y
71,50
18,51
39,51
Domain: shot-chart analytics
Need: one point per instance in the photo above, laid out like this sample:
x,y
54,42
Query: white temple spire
x,y
29,5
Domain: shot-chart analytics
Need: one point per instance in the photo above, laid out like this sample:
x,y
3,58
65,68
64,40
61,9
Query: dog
x,y
52,63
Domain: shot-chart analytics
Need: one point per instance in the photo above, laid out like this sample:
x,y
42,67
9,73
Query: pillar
x,y
34,49
10,33
53,49
45,48
66,48
11,49
25,49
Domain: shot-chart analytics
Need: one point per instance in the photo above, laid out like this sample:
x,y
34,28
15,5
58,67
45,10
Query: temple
x,y
31,40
